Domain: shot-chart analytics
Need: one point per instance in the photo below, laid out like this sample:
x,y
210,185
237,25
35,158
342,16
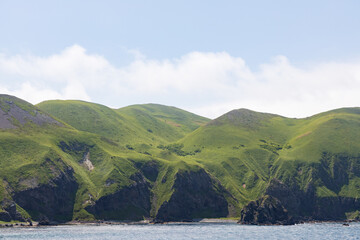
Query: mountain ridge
x,y
179,166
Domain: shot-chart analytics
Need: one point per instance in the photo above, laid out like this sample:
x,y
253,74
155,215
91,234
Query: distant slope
x,y
168,122
134,124
93,118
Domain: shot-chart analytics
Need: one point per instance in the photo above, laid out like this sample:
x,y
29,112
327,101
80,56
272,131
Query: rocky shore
x,y
150,222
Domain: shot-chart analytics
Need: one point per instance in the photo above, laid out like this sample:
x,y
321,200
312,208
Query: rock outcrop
x,y
10,212
287,205
299,204
196,195
149,169
129,203
334,208
86,162
53,201
264,211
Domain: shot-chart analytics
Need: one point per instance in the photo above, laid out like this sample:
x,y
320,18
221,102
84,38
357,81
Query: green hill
x,y
93,159
74,160
149,123
169,123
246,150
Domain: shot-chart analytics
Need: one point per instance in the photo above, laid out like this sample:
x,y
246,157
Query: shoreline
x,y
149,222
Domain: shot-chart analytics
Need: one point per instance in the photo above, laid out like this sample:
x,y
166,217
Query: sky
x,y
293,58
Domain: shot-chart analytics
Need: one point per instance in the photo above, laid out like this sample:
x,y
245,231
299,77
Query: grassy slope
x,y
170,123
106,134
137,124
93,118
243,149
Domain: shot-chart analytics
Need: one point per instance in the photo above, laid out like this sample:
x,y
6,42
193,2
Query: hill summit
x,y
78,161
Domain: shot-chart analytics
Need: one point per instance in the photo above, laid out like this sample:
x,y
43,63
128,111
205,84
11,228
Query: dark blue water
x,y
187,231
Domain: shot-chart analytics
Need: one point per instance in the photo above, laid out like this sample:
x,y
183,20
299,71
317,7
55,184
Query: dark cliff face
x,y
333,171
266,210
334,208
299,205
130,203
53,201
150,169
196,195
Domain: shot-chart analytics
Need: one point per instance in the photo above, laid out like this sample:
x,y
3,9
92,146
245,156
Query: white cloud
x,y
209,84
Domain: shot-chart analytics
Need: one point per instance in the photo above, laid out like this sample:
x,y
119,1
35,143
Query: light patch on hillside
x,y
303,135
86,162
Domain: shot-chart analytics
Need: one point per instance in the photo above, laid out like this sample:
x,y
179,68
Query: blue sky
x,y
204,56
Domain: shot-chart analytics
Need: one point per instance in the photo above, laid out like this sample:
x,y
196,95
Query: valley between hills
x,y
66,160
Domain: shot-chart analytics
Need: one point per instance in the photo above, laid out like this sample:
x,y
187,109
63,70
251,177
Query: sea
x,y
174,231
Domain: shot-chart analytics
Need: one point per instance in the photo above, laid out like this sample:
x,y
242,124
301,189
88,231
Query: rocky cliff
x,y
264,211
288,205
129,203
48,202
94,163
196,195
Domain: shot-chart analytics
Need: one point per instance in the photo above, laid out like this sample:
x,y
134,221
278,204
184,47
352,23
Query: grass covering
x,y
243,149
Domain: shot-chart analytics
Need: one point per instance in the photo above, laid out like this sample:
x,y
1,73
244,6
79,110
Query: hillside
x,y
15,113
169,123
315,159
137,124
82,168
74,160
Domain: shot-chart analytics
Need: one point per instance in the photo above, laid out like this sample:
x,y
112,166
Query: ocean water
x,y
187,231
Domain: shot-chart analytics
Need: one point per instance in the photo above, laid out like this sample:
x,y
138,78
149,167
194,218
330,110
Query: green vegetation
x,y
177,149
243,150
353,215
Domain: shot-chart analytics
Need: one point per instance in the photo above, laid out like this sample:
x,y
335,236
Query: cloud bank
x,y
208,84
